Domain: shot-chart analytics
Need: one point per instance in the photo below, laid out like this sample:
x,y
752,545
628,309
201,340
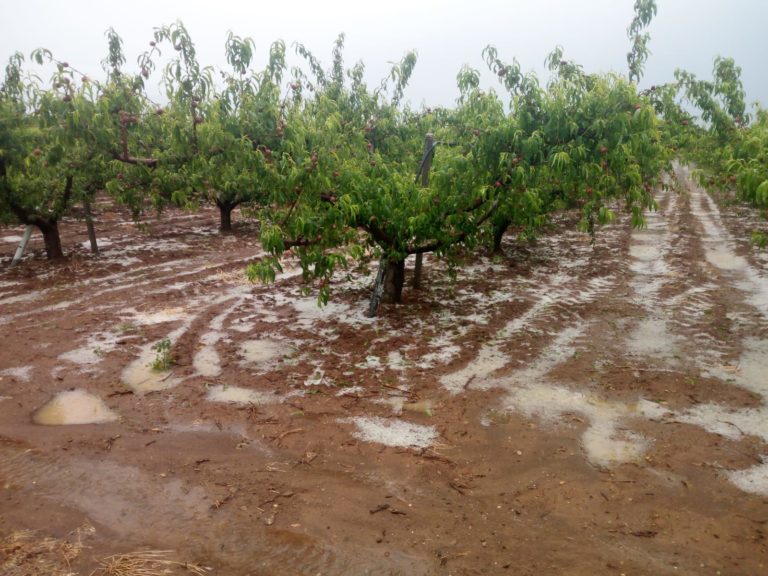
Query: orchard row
x,y
338,171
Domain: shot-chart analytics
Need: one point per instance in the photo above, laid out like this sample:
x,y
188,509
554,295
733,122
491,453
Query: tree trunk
x,y
499,228
394,278
424,168
417,271
89,225
225,211
50,230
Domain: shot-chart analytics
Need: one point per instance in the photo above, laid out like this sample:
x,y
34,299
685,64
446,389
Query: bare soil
x,y
561,409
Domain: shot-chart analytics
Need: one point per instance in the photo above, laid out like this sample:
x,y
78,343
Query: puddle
x,y
241,396
207,362
141,378
395,433
144,510
123,498
73,407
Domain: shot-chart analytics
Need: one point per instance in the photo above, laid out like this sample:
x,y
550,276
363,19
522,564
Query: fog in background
x,y
447,34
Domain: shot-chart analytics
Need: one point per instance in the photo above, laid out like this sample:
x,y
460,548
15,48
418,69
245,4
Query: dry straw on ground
x,y
27,553
145,563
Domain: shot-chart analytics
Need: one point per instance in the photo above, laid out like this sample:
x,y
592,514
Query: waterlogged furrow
x,y
147,510
120,497
649,252
159,275
133,274
606,441
721,255
552,298
730,272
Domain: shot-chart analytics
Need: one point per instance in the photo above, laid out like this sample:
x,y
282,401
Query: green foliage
x,y
732,150
333,168
645,10
163,358
583,141
52,147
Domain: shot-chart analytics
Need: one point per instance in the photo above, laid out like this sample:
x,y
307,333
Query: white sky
x,y
447,34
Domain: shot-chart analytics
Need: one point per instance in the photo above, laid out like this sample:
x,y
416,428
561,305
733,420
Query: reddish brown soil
x,y
286,488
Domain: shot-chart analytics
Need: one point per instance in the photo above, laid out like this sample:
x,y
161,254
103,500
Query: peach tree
x,y
217,131
66,140
346,186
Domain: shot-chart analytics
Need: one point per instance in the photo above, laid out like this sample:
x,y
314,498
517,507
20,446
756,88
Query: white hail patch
x,y
392,432
22,373
240,396
95,348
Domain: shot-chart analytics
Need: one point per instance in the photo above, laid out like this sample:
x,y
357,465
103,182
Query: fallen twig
x,y
458,487
379,508
275,497
280,437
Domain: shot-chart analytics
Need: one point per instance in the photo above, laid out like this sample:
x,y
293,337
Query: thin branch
x,y
150,162
456,239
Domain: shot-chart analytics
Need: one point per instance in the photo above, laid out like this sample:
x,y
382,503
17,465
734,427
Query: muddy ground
x,y
560,409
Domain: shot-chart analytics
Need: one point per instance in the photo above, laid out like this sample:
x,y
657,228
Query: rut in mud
x,y
564,409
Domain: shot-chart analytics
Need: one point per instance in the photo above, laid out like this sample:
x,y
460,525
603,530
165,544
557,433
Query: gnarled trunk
x,y
388,286
499,228
51,238
225,213
394,278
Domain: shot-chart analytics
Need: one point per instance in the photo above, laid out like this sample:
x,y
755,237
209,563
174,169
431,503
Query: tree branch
x,y
436,245
150,162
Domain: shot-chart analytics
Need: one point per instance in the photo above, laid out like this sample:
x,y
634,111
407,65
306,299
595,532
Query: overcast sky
x,y
447,34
